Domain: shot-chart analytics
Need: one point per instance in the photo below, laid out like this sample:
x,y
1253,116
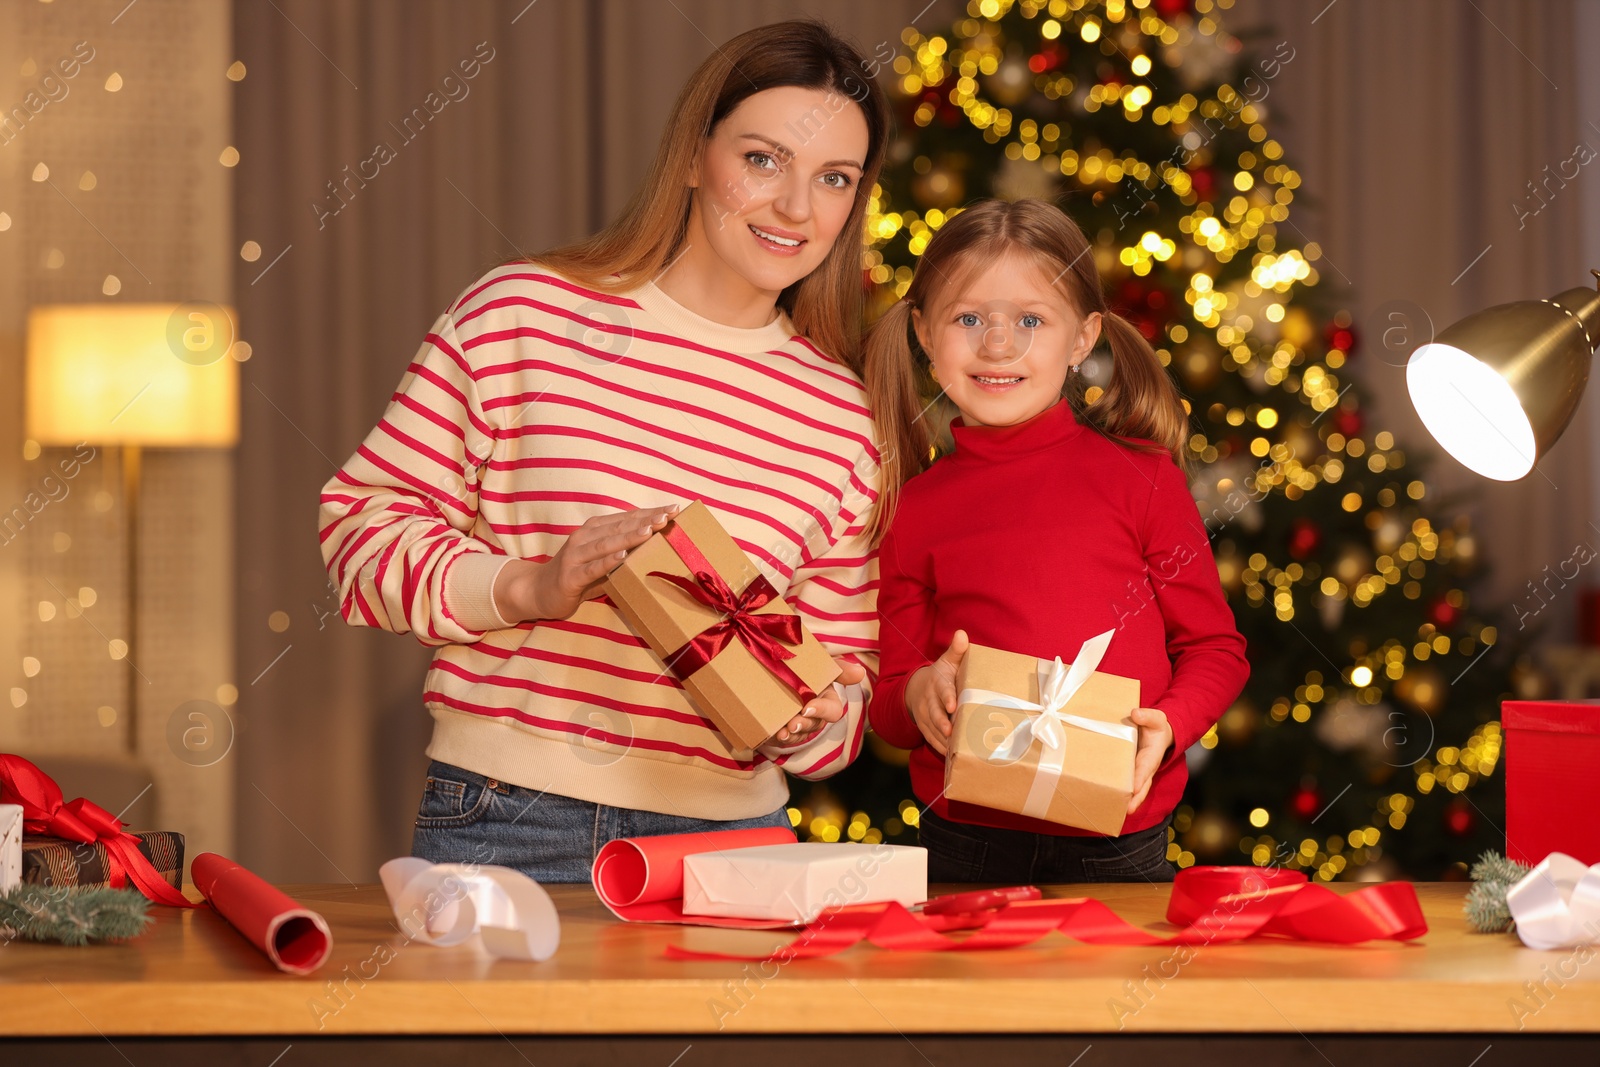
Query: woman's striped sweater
x,y
535,403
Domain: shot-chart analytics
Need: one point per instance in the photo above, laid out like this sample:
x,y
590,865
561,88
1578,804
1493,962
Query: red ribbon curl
x,y
1208,904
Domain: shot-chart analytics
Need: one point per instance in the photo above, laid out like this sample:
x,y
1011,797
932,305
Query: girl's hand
x,y
1155,737
931,694
825,708
553,590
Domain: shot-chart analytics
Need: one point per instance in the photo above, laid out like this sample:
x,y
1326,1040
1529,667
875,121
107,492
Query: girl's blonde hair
x,y
826,305
1140,407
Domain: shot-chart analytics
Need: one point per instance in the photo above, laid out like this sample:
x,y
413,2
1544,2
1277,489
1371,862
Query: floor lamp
x,y
133,376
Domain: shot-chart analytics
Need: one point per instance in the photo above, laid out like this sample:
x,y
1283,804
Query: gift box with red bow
x,y
53,861
720,627
79,843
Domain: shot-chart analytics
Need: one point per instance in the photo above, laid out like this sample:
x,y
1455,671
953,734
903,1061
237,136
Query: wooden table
x,y
192,975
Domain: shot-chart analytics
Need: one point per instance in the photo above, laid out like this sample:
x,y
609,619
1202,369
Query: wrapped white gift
x,y
10,845
797,882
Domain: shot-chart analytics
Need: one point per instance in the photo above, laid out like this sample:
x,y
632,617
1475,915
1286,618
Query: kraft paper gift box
x,y
681,611
56,861
797,882
1044,739
10,845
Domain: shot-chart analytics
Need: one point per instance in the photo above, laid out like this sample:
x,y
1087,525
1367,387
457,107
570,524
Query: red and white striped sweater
x,y
535,403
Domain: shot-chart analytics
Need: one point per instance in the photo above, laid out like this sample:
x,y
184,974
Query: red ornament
x,y
1305,537
1204,181
1341,337
1443,614
1306,802
1459,818
1348,422
1172,8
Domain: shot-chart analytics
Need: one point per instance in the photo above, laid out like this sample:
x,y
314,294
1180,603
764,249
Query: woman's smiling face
x,y
776,182
1003,343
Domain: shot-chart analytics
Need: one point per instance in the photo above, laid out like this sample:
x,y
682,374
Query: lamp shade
x,y
1497,388
157,375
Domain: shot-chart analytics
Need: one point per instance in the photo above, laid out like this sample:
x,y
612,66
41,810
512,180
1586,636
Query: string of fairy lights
x,y
1256,333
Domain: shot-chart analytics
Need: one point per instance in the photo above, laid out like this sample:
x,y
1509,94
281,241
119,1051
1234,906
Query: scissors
x,y
963,911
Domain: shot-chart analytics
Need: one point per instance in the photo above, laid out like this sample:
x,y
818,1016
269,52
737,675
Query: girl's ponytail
x,y
1140,402
892,360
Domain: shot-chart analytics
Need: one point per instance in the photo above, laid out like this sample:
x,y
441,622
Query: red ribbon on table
x,y
44,813
763,635
1208,904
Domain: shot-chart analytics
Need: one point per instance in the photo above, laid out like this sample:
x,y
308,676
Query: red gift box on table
x,y
1552,791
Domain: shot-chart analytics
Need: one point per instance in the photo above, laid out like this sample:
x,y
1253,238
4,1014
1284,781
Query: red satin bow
x,y
1208,904
763,635
44,813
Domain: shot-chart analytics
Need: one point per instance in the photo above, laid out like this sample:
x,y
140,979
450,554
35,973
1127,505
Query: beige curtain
x,y
546,143
1417,128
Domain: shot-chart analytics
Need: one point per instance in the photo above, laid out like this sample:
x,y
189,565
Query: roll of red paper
x,y
294,938
641,878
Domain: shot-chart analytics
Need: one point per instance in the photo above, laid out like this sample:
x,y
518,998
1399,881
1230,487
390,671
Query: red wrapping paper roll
x,y
641,878
294,938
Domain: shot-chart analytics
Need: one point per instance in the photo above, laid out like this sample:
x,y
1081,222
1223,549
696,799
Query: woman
x,y
704,346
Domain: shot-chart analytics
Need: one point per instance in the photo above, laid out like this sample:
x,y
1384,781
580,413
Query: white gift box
x,y
794,883
10,845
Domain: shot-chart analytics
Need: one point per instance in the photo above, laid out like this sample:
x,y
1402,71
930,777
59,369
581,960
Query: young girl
x,y
705,346
1052,521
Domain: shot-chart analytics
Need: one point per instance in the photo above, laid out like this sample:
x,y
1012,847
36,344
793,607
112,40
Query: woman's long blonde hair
x,y
826,306
1140,407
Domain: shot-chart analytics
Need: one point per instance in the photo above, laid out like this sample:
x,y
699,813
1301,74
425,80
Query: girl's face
x,y
775,185
1002,346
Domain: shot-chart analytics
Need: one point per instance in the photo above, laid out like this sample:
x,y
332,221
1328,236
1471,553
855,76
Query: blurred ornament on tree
x,y
1306,801
1211,836
1239,723
1305,538
1200,362
1422,687
1298,327
1459,817
1353,563
1013,82
1530,681
1341,335
1442,612
941,187
1348,725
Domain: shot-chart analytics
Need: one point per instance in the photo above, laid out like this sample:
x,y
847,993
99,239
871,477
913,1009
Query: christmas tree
x,y
1361,743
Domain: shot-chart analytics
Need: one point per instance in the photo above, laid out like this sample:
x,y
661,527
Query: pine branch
x,y
1485,908
72,916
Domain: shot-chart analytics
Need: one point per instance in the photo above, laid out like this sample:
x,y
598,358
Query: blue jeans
x,y
467,818
962,852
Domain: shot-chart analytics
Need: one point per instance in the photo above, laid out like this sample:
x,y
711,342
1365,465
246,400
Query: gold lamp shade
x,y
1498,388
133,374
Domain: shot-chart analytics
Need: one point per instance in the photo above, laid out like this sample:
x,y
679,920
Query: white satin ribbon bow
x,y
1557,904
1058,684
446,903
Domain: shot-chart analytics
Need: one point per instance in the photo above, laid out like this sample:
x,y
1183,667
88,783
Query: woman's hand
x,y
824,709
931,694
553,590
1155,737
